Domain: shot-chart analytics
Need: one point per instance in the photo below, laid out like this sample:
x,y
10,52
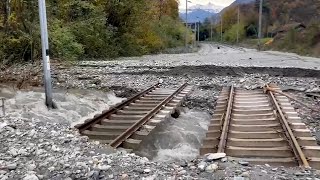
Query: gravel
x,y
32,149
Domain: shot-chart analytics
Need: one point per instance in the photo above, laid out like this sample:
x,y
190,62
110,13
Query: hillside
x,y
236,3
281,12
303,11
294,24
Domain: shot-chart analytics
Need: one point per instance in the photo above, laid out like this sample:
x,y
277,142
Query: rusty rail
x,y
300,156
98,119
125,135
292,98
225,128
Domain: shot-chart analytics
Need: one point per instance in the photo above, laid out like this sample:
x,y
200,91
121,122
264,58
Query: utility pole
x,y
186,35
198,31
45,53
211,29
195,34
238,24
221,27
260,25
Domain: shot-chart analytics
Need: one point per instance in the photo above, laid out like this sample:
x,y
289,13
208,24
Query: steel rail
x,y
104,115
292,98
226,123
125,135
300,156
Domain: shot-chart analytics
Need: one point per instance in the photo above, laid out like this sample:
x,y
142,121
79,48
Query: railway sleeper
x,y
155,94
245,92
249,107
125,117
287,162
314,162
218,107
130,112
149,105
222,101
137,108
254,135
283,152
210,141
307,141
255,103
256,128
101,135
108,122
272,142
140,135
311,151
131,143
219,111
111,129
252,111
152,99
208,149
254,96
149,102
301,132
295,125
214,127
245,100
253,116
154,122
217,116
254,122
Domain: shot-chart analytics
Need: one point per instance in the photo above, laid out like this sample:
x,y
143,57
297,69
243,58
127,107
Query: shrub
x,y
231,34
15,47
63,41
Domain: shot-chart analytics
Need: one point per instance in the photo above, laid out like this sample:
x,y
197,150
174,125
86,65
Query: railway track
x,y
129,122
260,127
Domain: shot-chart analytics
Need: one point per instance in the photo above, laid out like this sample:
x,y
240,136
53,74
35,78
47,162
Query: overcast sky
x,y
216,2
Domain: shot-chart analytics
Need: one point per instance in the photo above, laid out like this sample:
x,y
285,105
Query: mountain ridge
x,y
200,12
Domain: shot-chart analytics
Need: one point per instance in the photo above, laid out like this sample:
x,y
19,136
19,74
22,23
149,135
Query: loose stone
x,y
212,168
215,156
245,174
243,163
30,177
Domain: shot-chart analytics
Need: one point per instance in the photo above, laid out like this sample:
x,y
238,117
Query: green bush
x,y
171,32
97,40
63,42
231,34
14,47
313,34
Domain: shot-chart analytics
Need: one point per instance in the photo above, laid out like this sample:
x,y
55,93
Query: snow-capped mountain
x,y
199,12
210,7
243,1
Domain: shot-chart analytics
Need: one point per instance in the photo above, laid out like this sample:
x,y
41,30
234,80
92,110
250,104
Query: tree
x,y
89,28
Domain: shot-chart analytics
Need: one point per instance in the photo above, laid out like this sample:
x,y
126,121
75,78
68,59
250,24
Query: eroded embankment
x,y
212,70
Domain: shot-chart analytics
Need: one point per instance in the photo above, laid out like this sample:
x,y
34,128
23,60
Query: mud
x,y
212,70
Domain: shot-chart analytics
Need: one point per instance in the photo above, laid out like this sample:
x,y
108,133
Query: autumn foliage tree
x,y
89,28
